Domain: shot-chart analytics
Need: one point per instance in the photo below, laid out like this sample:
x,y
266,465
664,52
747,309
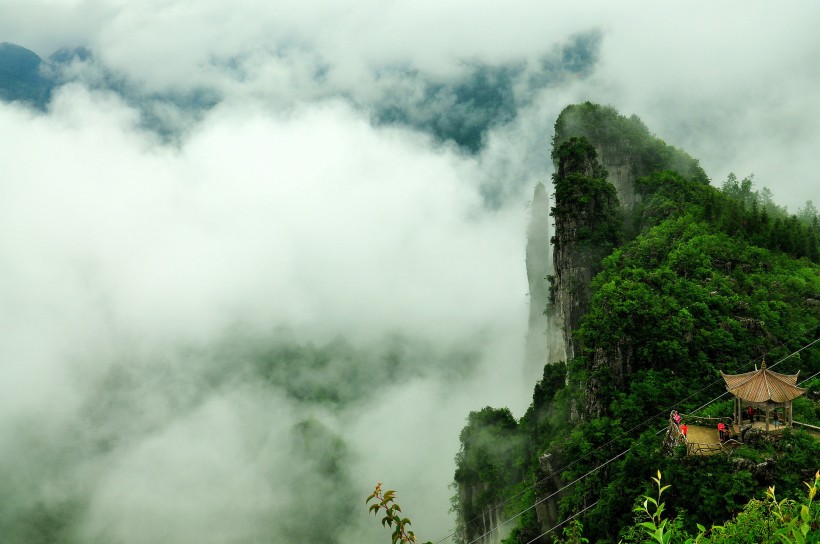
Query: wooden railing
x,y
676,437
702,421
696,448
806,426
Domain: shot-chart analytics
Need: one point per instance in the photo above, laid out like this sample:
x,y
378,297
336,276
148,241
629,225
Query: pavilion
x,y
763,390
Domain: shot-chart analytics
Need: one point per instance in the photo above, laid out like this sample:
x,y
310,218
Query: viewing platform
x,y
762,404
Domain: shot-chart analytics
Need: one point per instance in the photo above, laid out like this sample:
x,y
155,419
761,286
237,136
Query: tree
x,y
807,213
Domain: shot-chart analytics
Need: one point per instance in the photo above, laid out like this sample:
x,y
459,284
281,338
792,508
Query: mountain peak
x,y
15,59
20,77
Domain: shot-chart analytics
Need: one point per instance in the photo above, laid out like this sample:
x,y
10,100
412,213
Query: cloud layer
x,y
131,268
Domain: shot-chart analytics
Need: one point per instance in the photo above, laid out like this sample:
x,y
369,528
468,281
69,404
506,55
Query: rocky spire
x,y
538,267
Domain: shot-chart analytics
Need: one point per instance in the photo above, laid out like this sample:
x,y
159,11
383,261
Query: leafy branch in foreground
x,y
797,529
793,522
392,514
657,528
787,522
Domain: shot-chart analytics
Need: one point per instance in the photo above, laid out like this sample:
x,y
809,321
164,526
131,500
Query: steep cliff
x,y
588,223
625,148
620,150
486,465
486,525
538,268
545,340
660,281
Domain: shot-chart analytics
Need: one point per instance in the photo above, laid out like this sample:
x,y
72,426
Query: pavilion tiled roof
x,y
763,385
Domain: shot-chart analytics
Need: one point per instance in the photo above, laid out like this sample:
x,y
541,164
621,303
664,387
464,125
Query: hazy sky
x,y
323,195
733,83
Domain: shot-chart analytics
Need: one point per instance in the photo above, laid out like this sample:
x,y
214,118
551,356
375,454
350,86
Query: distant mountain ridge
x,y
21,76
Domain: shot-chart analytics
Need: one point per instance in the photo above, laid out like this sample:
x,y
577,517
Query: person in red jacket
x,y
721,431
683,429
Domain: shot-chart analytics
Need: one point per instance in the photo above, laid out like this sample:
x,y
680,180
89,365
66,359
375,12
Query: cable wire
x,y
771,366
621,435
554,527
575,481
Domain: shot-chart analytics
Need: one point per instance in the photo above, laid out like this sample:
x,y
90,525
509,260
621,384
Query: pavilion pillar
x,y
734,412
739,413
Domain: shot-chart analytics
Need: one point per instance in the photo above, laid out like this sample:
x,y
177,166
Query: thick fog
x,y
151,294
256,258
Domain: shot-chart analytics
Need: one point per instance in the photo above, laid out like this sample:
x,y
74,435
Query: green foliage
x,y
689,301
624,140
735,210
549,412
657,528
770,521
486,446
21,78
392,515
807,407
796,526
753,525
765,521
581,184
755,216
488,463
718,409
573,533
338,373
709,280
322,476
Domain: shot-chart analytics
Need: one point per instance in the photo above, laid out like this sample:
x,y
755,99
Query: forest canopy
x,y
700,280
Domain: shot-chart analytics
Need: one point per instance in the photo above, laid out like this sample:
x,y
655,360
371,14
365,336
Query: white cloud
x,y
202,478
732,83
117,248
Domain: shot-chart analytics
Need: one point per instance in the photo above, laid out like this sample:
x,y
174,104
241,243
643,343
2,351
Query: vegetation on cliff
x,y
702,280
624,140
762,521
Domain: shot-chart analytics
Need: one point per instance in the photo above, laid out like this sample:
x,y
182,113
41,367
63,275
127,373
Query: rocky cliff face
x,y
574,258
545,341
618,150
588,223
546,492
538,268
598,155
485,528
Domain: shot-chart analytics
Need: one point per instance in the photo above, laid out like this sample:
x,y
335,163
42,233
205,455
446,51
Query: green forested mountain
x,y
21,78
27,79
661,281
